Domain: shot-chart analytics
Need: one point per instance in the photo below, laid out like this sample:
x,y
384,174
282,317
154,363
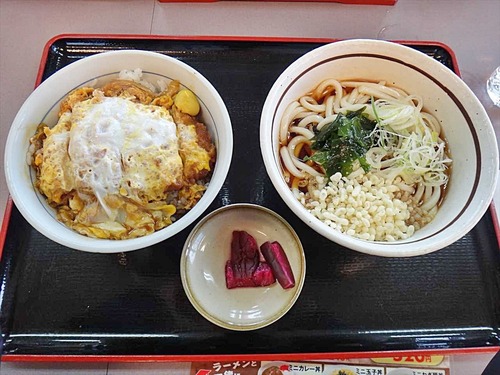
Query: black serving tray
x,y
58,301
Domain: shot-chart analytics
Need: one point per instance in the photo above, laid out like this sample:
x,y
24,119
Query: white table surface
x,y
470,28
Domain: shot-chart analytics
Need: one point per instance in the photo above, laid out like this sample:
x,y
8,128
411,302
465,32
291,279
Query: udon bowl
x,y
43,105
467,129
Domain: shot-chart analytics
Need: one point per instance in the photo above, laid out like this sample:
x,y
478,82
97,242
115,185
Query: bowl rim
x,y
347,47
73,239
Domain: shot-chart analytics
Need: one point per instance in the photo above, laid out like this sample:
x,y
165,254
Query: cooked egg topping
x,y
117,168
117,146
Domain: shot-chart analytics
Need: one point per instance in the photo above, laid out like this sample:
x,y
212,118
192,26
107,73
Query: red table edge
x,y
194,358
347,2
302,357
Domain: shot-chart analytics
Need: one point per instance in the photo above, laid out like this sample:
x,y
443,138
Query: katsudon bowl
x,y
337,212
43,105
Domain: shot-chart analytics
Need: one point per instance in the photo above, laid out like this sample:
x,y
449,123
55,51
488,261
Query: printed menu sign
x,y
433,365
225,368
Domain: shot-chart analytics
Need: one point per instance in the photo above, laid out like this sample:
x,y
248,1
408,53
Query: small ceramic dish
x,y
203,260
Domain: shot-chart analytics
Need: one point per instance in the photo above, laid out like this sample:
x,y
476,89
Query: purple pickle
x,y
244,268
276,257
263,275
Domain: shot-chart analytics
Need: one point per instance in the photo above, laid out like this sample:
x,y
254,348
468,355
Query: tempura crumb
x,y
364,206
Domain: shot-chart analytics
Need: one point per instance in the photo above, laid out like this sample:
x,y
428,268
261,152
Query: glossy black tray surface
x,y
59,301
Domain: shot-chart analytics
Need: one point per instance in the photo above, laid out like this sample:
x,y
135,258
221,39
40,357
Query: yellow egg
x,y
187,103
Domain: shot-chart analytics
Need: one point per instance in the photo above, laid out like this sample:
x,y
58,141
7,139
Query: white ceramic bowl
x,y
42,106
466,126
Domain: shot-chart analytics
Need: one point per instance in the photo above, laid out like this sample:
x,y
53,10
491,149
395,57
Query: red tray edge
x,y
236,38
260,357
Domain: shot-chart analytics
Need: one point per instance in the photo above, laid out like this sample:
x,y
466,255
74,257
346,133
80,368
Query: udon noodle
x,y
392,190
